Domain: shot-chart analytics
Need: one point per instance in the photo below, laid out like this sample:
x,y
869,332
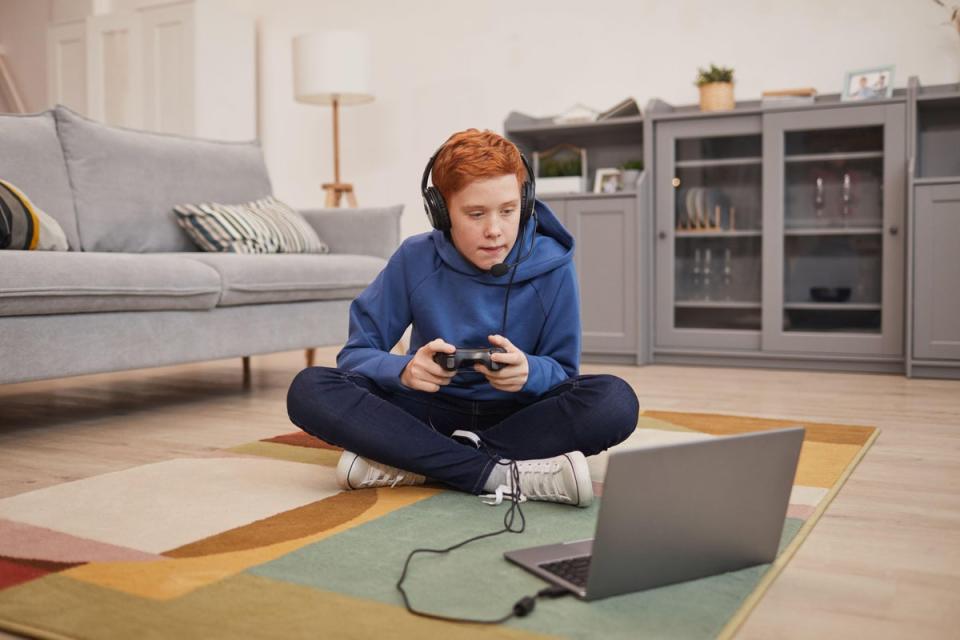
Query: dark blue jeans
x,y
411,430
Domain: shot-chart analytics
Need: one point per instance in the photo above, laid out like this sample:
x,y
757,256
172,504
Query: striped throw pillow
x,y
261,226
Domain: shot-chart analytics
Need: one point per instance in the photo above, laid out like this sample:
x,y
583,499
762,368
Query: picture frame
x,y
607,181
873,83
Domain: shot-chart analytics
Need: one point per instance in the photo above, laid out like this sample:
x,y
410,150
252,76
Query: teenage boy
x,y
497,271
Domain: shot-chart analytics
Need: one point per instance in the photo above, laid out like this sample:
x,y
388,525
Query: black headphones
x,y
436,206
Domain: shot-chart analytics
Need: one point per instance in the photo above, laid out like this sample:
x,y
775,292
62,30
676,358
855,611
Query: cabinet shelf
x,y
830,157
718,304
729,162
746,233
833,306
841,231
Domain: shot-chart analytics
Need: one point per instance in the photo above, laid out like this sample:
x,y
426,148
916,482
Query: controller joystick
x,y
465,358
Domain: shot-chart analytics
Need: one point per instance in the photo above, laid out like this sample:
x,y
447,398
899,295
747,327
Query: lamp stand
x,y
336,189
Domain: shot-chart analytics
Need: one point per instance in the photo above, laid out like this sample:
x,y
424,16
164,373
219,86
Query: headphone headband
x,y
436,206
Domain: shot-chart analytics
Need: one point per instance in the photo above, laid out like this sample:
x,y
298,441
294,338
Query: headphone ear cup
x,y
527,202
437,209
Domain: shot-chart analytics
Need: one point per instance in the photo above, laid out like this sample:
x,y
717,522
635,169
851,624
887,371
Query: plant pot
x,y
561,184
629,179
716,96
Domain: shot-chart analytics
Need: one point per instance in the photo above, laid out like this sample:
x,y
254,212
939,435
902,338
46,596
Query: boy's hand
x,y
422,373
514,370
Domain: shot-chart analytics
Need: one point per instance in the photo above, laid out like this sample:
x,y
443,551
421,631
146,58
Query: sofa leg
x,y
246,371
310,354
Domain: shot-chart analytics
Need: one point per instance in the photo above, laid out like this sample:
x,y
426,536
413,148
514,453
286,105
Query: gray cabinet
x,y
779,236
708,230
933,283
936,309
833,205
605,231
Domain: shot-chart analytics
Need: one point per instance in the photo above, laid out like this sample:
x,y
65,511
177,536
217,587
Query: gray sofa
x,y
134,291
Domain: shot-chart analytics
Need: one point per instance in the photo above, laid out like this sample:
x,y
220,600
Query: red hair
x,y
474,155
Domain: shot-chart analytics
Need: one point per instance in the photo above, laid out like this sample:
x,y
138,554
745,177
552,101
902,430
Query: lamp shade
x,y
332,64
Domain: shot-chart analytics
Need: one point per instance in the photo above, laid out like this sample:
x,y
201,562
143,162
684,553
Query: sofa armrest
x,y
369,231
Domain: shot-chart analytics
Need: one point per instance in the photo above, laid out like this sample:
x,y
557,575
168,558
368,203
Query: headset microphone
x,y
501,268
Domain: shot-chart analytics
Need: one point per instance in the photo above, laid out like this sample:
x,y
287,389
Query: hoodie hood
x,y
552,248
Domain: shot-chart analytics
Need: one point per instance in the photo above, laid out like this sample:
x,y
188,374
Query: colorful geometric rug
x,y
258,542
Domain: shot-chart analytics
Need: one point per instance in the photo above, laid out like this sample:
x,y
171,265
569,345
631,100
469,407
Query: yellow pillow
x,y
26,227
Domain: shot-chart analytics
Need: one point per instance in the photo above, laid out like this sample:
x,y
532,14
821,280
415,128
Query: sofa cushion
x,y
278,277
261,226
126,182
37,283
31,158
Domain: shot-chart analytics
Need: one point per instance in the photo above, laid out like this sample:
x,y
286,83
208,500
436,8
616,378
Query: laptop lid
x,y
682,511
678,512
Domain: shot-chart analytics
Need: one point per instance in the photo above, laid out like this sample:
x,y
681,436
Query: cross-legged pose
x,y
496,273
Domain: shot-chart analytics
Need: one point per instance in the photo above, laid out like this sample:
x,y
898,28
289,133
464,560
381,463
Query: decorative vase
x,y
716,96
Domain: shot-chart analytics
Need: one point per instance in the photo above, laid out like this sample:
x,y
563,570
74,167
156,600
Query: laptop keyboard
x,y
573,570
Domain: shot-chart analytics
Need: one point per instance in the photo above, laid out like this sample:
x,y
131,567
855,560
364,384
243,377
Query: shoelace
x,y
542,480
378,472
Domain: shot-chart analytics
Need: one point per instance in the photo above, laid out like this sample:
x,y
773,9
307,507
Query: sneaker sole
x,y
581,473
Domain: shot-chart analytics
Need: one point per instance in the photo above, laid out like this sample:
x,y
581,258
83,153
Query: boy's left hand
x,y
513,373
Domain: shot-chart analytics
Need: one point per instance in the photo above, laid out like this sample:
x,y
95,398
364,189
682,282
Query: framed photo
x,y
607,181
868,84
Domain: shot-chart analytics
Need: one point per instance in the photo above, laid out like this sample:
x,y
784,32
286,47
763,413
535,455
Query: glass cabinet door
x,y
709,227
834,210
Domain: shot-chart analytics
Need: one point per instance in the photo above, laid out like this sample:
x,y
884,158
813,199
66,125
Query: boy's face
x,y
484,219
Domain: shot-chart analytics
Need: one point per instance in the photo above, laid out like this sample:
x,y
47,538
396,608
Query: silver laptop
x,y
678,512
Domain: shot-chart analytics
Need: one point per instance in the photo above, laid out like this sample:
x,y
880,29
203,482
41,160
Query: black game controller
x,y
465,358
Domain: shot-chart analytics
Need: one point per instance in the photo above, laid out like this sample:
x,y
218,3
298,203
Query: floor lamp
x,y
333,67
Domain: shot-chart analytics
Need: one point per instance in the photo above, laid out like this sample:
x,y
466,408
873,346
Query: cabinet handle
x,y
663,235
894,229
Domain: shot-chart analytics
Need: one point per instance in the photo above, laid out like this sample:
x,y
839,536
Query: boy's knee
x,y
305,387
623,407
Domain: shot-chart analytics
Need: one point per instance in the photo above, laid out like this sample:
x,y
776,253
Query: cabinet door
x,y
604,230
709,232
833,210
67,65
115,69
168,82
936,311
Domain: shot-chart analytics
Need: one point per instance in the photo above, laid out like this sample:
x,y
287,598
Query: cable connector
x,y
524,606
553,592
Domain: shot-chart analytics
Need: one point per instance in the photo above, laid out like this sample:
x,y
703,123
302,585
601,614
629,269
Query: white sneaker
x,y
564,479
354,472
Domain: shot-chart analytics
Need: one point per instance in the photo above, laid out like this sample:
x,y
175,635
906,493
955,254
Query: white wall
x,y
444,65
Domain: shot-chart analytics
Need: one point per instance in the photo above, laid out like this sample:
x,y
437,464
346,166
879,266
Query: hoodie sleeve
x,y
378,317
558,349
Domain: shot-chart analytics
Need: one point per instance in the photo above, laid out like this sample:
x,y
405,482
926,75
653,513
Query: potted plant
x,y
561,169
631,173
716,88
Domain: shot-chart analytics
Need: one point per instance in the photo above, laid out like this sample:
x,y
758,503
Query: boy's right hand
x,y
422,373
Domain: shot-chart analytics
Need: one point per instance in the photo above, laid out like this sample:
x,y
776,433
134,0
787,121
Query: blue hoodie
x,y
428,283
